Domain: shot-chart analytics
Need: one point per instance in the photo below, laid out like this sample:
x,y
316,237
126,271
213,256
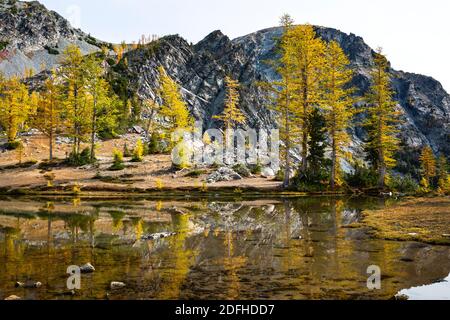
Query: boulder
x,y
223,174
157,236
87,268
267,172
115,285
28,284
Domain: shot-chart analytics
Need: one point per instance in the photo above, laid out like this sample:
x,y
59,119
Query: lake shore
x,y
425,220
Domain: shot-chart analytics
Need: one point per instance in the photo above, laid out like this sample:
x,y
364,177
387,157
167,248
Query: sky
x,y
413,33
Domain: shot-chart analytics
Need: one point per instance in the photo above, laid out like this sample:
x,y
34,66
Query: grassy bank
x,y
424,220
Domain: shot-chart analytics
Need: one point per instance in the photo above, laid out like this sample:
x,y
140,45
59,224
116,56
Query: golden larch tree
x,y
173,109
283,98
382,116
338,105
48,115
231,115
308,62
16,105
428,164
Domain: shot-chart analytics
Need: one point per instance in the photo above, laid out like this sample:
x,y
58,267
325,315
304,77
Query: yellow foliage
x,y
231,115
428,164
382,117
159,184
138,153
16,105
338,106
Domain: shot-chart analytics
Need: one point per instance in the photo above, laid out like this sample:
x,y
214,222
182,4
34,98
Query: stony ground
x,y
155,171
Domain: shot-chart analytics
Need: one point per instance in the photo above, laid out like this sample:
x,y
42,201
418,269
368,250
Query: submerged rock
x,y
223,174
87,268
115,285
28,284
156,236
12,298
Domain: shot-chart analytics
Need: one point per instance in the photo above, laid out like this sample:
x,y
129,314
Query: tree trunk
x,y
287,170
94,128
50,144
333,165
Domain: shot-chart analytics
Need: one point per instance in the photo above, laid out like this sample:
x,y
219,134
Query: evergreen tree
x,y
382,117
317,141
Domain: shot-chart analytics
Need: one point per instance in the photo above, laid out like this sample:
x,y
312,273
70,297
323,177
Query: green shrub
x,y
280,175
195,173
52,51
154,146
311,180
256,169
404,184
242,170
118,161
3,45
80,159
362,177
14,145
126,152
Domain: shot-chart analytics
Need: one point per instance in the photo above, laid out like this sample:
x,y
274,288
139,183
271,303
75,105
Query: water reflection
x,y
265,249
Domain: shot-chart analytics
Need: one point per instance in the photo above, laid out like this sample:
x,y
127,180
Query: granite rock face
x,y
32,37
200,70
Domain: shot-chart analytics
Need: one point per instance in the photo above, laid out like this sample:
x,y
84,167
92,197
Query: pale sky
x,y
413,33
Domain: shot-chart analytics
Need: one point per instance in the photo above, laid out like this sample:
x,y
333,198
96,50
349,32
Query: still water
x,y
299,248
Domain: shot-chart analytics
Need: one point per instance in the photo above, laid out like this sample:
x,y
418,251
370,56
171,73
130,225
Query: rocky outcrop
x,y
32,37
200,69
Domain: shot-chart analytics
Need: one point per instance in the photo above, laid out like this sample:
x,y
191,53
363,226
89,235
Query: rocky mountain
x,y
32,33
200,70
32,37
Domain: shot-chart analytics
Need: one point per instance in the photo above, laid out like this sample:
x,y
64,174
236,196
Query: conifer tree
x,y
338,105
16,105
283,102
428,164
308,62
73,88
317,128
231,115
102,102
173,109
443,175
382,117
48,116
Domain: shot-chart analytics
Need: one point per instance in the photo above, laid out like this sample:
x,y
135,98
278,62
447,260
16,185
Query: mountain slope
x,y
200,70
32,37
31,32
